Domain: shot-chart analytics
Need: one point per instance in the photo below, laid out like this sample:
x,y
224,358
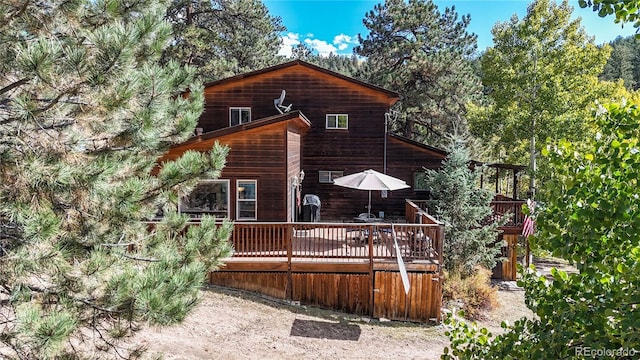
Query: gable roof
x,y
435,150
296,116
392,95
443,153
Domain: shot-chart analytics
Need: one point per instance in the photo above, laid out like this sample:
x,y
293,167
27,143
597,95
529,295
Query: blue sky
x,y
333,25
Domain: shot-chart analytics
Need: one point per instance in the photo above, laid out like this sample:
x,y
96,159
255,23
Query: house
x,y
293,128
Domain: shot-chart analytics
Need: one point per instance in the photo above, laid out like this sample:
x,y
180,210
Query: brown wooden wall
x,y
345,292
267,166
313,92
272,284
265,154
294,165
348,292
360,147
403,159
507,269
421,304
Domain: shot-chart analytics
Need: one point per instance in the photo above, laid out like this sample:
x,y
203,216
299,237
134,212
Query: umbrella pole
x,y
369,208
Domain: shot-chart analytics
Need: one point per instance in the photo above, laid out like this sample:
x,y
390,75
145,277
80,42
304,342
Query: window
x,y
208,197
337,121
239,115
246,200
327,177
420,181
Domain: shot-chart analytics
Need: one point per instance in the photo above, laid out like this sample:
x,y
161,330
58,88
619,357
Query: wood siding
x,y
318,92
272,284
269,154
294,165
507,269
314,92
421,304
345,292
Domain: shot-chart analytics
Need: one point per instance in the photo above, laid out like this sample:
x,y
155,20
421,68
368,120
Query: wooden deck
x,y
511,211
354,267
351,267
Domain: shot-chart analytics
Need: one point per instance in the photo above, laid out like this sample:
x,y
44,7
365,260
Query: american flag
x,y
528,226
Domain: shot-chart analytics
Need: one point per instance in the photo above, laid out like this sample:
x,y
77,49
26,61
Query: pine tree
x,y
624,62
223,37
85,113
347,65
424,55
464,208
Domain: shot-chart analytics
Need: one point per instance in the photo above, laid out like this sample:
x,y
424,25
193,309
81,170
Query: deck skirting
x,y
357,287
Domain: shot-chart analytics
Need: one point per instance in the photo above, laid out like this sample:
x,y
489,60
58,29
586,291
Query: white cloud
x,y
288,42
322,47
342,39
341,42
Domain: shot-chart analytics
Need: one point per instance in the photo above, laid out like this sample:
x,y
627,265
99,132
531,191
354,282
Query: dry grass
x,y
474,294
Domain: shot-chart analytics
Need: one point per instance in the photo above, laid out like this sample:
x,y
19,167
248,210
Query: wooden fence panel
x,y
510,264
345,292
421,304
272,284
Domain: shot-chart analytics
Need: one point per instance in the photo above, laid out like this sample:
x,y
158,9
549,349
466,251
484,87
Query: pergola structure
x,y
516,170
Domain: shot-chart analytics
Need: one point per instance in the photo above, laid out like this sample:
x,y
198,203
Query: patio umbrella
x,y
370,180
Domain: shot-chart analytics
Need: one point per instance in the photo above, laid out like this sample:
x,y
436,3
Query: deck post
x,y
441,267
289,240
441,247
371,273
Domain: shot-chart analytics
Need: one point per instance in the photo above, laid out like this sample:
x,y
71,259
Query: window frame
x,y
226,182
254,200
332,175
241,109
337,122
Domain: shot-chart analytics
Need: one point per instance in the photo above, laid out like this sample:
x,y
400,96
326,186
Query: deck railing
x,y
512,209
350,241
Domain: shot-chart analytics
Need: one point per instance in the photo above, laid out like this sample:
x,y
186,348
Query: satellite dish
x,y
278,103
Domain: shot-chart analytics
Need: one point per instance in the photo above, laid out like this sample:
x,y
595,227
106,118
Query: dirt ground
x,y
232,324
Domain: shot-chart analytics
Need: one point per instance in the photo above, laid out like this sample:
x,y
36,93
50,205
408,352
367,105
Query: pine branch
x,y
141,258
109,343
17,12
36,112
13,85
97,307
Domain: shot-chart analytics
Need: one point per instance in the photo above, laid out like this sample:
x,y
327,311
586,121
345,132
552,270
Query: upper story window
x,y
239,115
337,121
326,176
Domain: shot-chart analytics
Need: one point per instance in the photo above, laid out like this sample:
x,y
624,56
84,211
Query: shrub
x,y
474,292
